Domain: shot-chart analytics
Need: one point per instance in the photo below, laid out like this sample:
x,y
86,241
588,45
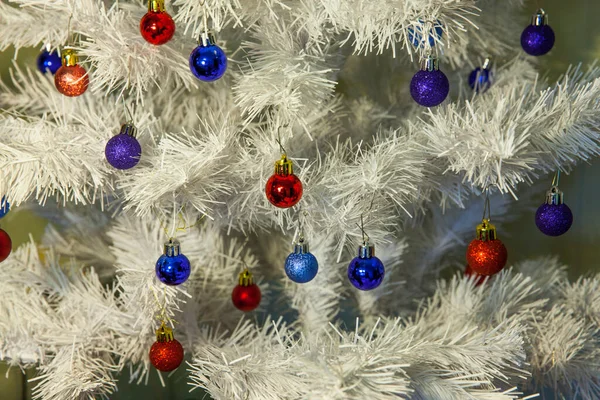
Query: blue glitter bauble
x,y
429,88
415,35
537,40
208,63
47,61
173,270
480,79
4,207
553,219
123,151
301,267
366,273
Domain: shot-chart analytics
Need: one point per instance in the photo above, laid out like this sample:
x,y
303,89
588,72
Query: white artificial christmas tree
x,y
84,305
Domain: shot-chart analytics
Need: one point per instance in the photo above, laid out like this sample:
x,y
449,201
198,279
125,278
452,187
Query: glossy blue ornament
x,y
480,78
173,268
301,266
4,207
49,61
554,218
208,61
415,35
366,271
538,38
430,86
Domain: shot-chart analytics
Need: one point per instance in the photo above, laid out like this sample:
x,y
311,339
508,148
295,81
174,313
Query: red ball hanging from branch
x,y
246,295
5,245
166,354
71,79
157,26
486,255
283,188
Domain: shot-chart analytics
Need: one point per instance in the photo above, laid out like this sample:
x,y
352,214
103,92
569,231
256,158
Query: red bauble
x,y
166,356
486,257
5,245
157,27
478,278
246,298
284,191
71,80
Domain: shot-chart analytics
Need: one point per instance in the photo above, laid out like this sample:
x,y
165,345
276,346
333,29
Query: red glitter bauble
x,y
284,191
5,245
486,257
246,298
166,356
71,80
157,27
478,278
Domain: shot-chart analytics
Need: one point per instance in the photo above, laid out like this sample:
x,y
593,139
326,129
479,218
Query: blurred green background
x,y
578,40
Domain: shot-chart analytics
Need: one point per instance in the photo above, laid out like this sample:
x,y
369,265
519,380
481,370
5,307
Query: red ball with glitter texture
x,y
478,278
246,298
157,27
166,356
5,245
486,257
71,80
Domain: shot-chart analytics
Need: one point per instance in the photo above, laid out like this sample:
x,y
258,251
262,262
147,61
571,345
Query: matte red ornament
x,y
166,354
71,79
157,26
486,255
283,188
5,245
479,279
246,295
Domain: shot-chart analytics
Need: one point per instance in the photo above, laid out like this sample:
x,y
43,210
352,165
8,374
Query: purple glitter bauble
x,y
537,40
429,88
553,219
123,151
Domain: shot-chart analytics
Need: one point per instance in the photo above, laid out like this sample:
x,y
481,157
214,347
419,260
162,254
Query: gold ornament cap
x,y
156,5
245,278
164,334
283,166
69,58
486,230
540,18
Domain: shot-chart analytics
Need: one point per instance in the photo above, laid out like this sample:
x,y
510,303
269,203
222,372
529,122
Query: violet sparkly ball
x,y
429,88
123,151
537,40
553,219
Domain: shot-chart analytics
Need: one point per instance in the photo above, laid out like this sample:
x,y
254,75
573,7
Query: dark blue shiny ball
x,y
123,151
301,267
553,219
537,40
480,79
4,207
173,270
429,88
49,61
415,35
366,273
208,63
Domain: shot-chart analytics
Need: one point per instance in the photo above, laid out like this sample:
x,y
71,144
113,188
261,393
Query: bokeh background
x,y
578,40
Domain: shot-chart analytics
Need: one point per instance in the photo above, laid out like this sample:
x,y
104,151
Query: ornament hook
x,y
486,204
556,178
365,237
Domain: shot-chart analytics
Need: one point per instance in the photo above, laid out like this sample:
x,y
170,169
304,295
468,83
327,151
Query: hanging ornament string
x,y
166,354
365,272
486,204
301,265
162,317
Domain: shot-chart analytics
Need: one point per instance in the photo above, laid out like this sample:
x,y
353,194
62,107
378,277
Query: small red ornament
x,y
5,245
479,279
486,255
166,354
246,295
71,79
283,188
157,26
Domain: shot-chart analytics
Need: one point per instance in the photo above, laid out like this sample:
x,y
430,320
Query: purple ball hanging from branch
x,y
429,87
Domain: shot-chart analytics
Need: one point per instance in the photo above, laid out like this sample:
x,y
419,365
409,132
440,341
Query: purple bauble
x,y
537,40
553,219
429,88
123,151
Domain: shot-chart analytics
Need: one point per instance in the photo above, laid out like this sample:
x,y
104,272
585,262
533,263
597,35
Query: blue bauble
x,y
47,61
173,268
553,219
429,88
415,35
4,207
208,63
301,267
366,273
480,79
537,40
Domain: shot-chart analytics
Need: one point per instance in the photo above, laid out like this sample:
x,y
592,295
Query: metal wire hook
x,y
556,178
127,113
365,237
486,204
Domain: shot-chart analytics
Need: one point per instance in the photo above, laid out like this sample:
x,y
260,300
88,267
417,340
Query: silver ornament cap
x,y
301,247
207,38
172,248
430,63
540,18
366,250
128,129
554,196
